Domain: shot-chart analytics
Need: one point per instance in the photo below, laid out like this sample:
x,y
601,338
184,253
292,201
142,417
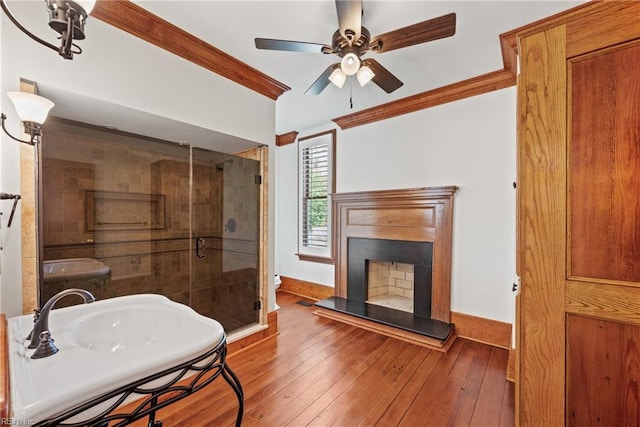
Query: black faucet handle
x,y
46,347
36,316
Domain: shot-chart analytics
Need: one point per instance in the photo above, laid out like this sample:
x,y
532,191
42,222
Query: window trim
x,y
325,256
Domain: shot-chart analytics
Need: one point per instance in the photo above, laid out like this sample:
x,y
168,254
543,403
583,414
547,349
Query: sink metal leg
x,y
152,415
233,381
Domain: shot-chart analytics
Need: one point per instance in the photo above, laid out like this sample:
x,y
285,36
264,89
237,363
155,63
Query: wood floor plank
x,y
318,372
489,403
269,379
467,397
507,414
392,415
351,403
377,409
296,399
351,373
433,404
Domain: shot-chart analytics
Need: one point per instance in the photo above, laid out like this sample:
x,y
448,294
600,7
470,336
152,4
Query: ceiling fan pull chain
x,y
351,93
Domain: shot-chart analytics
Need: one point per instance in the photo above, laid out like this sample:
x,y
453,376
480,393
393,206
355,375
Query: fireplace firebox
x,y
419,254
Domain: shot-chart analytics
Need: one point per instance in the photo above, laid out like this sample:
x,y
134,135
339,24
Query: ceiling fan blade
x,y
322,81
383,78
432,29
349,18
292,46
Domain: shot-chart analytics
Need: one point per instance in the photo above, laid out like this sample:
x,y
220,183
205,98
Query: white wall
x,y
123,70
469,143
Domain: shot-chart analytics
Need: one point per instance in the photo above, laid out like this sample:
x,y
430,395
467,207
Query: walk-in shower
x,y
163,218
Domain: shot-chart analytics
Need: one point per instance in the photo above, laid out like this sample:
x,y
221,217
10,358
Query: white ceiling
x,y
232,26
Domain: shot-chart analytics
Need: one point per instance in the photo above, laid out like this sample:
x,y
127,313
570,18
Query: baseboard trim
x,y
479,329
305,289
253,339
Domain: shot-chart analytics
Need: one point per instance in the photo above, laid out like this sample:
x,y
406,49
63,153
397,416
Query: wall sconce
x,y
66,17
32,110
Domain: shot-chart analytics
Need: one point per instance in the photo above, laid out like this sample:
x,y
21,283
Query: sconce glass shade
x,y
364,75
338,78
350,64
31,108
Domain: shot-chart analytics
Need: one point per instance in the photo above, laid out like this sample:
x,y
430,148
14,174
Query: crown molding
x,y
139,22
286,138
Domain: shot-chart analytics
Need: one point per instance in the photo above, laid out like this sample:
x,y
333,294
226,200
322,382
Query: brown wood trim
x,y
253,339
511,365
319,259
309,290
5,395
286,138
471,87
389,331
29,203
542,326
135,20
480,329
561,18
614,24
605,301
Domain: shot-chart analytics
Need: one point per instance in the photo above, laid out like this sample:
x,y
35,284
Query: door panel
x,y
605,165
603,372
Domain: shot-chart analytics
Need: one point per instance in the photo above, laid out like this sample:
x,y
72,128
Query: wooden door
x,y
578,332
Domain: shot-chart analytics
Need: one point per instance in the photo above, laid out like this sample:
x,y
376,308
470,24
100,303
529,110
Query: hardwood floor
x,y
318,372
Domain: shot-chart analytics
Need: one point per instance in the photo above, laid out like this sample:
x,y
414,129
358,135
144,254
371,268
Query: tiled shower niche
x,y
140,206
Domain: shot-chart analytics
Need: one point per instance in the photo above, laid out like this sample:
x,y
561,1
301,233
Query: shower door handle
x,y
200,248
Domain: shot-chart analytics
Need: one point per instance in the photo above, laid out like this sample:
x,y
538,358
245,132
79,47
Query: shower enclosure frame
x,y
31,287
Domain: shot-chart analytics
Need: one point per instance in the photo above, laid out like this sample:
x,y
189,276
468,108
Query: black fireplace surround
x,y
362,250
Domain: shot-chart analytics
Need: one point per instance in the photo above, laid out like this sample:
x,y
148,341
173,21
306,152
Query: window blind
x,y
315,191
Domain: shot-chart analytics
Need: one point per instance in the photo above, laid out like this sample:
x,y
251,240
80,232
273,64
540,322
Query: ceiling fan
x,y
352,41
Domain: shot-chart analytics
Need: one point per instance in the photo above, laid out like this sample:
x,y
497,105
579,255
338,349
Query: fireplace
x,y
406,234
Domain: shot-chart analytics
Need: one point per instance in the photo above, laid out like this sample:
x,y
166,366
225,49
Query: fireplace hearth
x,y
412,227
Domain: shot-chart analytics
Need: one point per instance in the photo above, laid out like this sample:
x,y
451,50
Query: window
x,y
315,185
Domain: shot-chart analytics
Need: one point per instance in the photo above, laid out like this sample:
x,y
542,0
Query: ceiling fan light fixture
x,y
350,64
364,75
338,77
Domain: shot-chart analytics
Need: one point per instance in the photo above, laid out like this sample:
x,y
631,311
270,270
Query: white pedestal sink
x,y
105,346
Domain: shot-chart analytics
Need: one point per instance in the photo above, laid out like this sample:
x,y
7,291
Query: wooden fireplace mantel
x,y
416,214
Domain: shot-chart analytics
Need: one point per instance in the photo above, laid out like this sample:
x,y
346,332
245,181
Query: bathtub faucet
x,y
41,322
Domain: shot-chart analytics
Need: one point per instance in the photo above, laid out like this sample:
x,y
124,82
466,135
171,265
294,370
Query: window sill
x,y
315,258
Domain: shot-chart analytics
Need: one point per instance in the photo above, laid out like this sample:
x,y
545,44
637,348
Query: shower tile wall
x,y
141,260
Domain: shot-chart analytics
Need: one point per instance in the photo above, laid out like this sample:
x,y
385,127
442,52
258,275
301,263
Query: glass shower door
x,y
225,233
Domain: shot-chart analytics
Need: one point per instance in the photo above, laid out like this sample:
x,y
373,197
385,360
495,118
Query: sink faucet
x,y
41,323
